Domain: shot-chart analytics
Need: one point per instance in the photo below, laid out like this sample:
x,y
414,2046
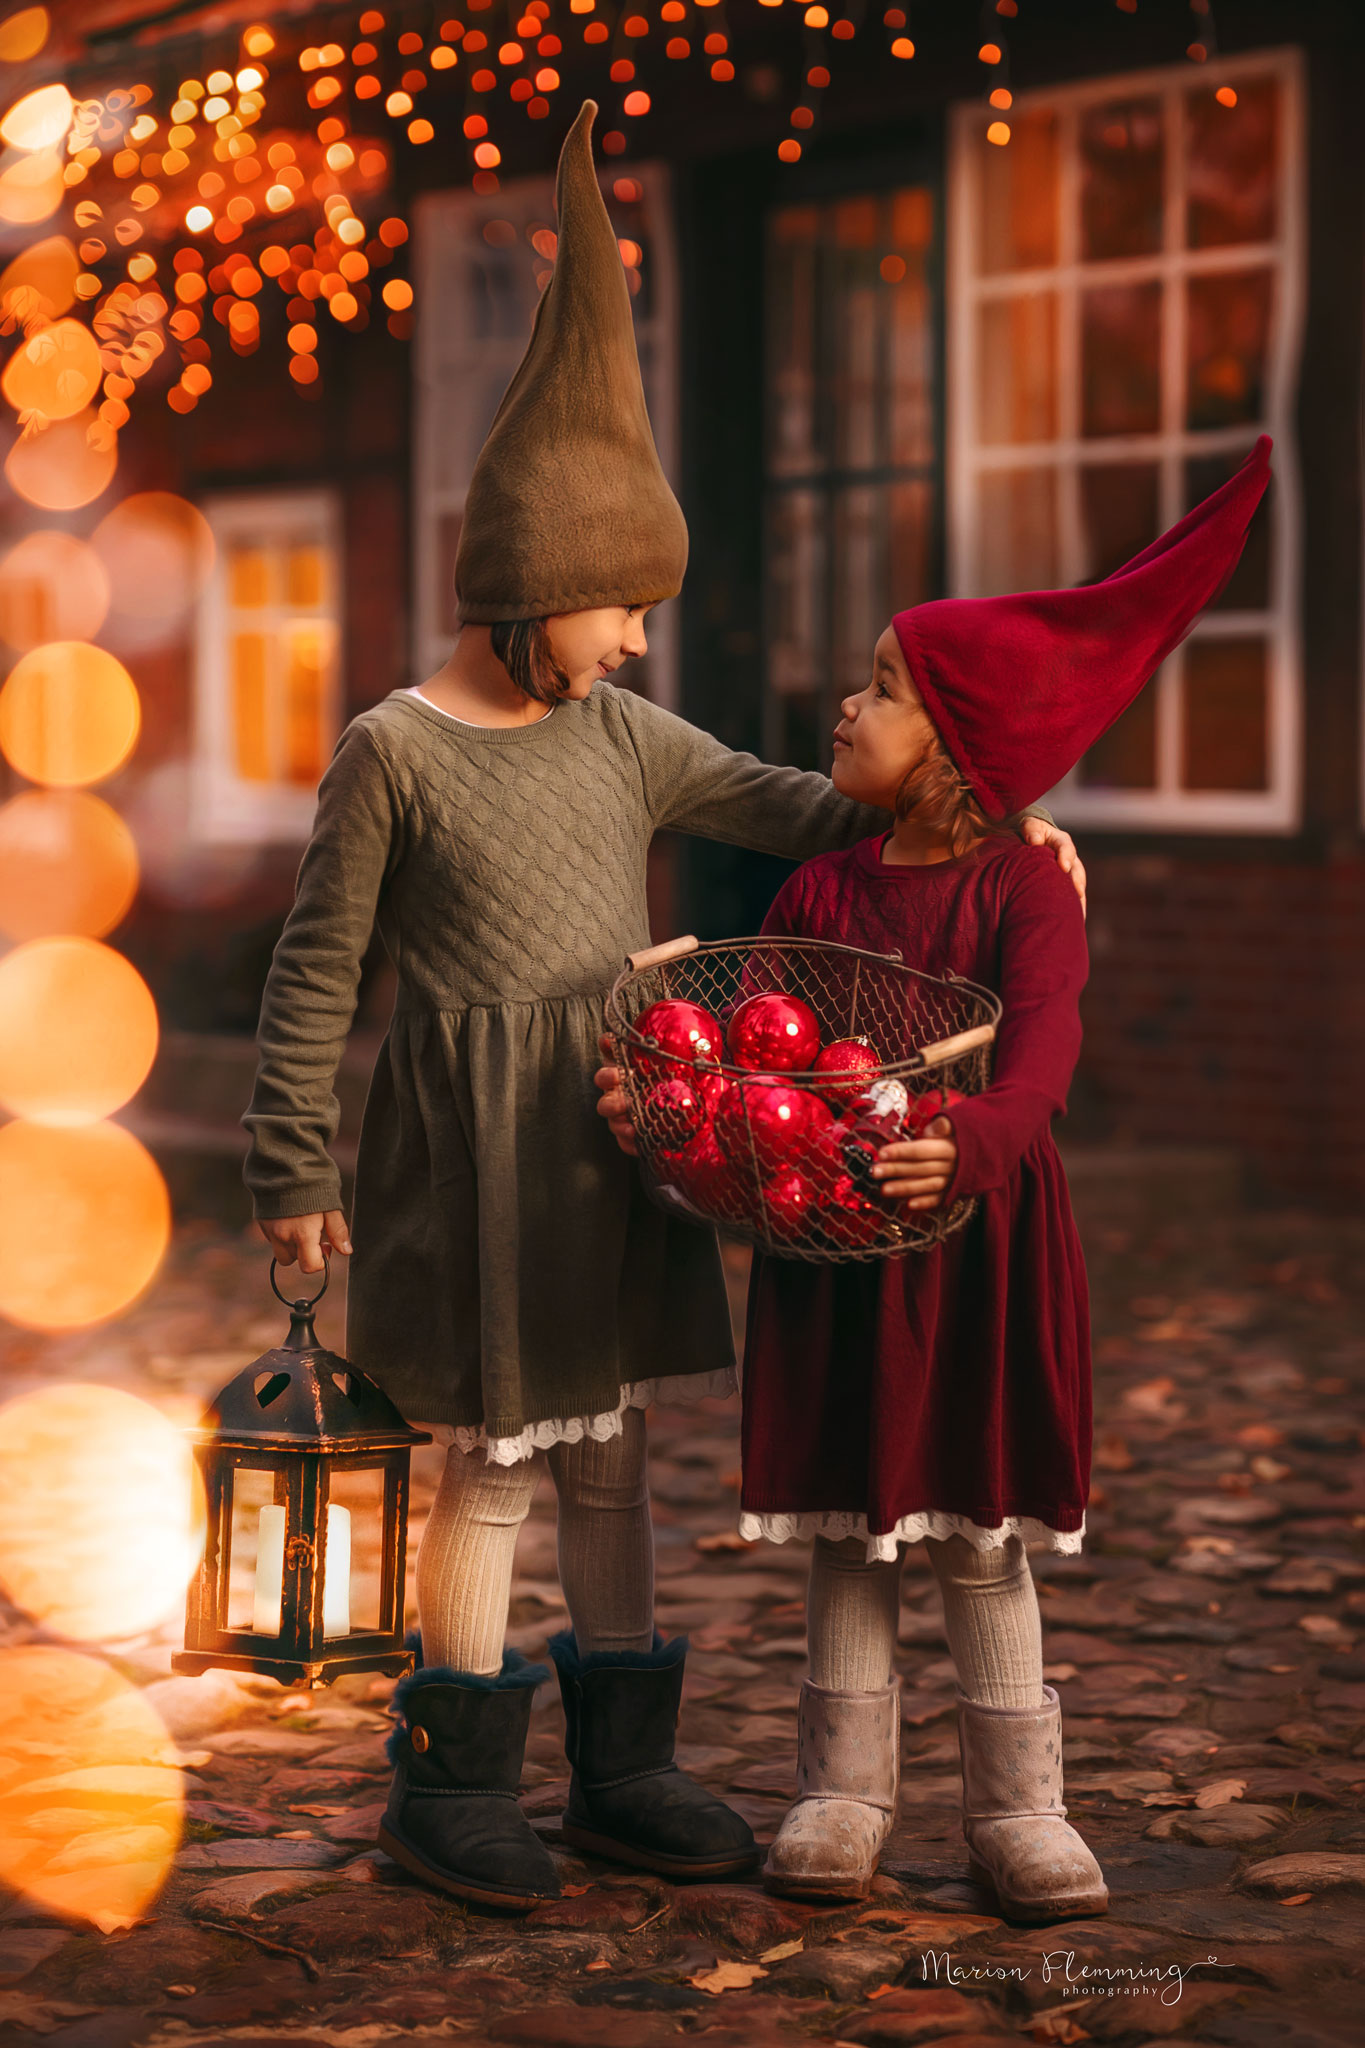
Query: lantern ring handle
x,y
326,1281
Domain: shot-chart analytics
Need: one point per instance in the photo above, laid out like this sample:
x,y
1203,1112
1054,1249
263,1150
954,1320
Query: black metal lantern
x,y
305,1467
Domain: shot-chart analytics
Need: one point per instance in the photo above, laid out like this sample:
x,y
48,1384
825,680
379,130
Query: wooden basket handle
x,y
952,1048
655,956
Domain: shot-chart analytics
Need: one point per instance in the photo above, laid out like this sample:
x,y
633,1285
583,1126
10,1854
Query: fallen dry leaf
x,y
883,1991
1057,2027
320,1812
1220,1792
724,1539
727,1977
782,1951
1299,1899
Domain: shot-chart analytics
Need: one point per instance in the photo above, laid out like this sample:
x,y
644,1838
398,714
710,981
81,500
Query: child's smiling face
x,y
590,646
885,730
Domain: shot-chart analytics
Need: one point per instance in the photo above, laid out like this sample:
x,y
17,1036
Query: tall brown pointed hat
x,y
568,507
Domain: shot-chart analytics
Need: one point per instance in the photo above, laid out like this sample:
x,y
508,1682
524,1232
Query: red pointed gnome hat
x,y
1018,687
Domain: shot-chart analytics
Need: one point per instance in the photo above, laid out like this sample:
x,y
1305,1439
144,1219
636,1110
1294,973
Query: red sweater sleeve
x,y
1043,967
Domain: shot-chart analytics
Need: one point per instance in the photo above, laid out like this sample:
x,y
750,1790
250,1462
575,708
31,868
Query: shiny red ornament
x,y
683,1030
849,1219
876,1119
672,1113
769,1121
719,1186
791,1207
773,1035
851,1056
924,1108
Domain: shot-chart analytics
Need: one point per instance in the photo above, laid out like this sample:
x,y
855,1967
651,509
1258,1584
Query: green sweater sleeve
x,y
310,993
694,784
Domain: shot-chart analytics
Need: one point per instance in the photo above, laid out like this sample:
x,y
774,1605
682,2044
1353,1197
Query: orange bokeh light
x,y
157,548
84,1223
47,271
61,467
22,35
39,120
91,1797
68,863
101,1511
78,1031
32,188
55,372
69,714
52,587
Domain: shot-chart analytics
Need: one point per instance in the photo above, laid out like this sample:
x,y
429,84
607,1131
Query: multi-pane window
x,y
268,696
1126,291
851,470
484,261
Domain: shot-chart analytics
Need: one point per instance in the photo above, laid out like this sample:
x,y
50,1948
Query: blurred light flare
x,y
78,1031
52,587
40,120
69,714
91,1797
56,372
62,466
158,548
22,35
68,864
85,1220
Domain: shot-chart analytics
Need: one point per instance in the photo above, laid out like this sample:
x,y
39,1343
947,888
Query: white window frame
x,y
1276,810
227,808
449,361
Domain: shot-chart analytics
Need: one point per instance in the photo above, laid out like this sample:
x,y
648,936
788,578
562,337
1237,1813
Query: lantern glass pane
x,y
356,1502
256,1554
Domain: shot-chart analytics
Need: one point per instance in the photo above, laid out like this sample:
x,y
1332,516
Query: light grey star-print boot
x,y
847,1778
1018,1836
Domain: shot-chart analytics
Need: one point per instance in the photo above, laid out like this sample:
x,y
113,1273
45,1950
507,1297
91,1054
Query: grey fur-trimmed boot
x,y
848,1779
1020,1842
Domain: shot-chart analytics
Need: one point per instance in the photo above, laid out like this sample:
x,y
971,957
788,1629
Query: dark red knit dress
x,y
944,1390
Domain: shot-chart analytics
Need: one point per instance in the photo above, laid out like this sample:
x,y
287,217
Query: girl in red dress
x,y
946,1395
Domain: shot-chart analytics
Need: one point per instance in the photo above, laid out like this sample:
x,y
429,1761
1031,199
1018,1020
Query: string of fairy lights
x,y
182,217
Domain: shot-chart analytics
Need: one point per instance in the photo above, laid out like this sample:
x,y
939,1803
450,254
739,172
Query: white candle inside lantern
x,y
336,1591
336,1594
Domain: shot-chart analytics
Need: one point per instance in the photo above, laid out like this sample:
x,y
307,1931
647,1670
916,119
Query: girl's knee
x,y
957,1561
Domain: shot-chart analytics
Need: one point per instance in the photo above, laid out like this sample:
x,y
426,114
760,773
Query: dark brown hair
x,y
938,796
523,647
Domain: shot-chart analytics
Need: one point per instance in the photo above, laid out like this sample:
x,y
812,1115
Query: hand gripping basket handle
x,y
655,956
953,1048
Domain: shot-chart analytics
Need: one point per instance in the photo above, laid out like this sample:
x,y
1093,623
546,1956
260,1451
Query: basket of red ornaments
x,y
764,1076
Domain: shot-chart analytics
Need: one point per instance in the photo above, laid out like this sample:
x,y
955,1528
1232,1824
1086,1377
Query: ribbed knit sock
x,y
464,1565
852,1615
990,1614
606,1538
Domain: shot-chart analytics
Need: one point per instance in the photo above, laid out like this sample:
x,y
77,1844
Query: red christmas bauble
x,y
718,1185
683,1030
924,1108
672,1113
791,1206
852,1056
876,1119
849,1220
714,1089
768,1120
773,1034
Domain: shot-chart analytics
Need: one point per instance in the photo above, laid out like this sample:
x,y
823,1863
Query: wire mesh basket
x,y
763,1075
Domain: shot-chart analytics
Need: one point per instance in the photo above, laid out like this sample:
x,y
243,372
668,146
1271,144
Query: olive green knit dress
x,y
509,1277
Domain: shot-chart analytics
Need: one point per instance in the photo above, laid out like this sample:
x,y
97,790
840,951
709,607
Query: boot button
x,y
420,1740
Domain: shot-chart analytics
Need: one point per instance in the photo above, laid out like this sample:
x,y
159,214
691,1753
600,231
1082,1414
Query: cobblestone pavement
x,y
1204,1648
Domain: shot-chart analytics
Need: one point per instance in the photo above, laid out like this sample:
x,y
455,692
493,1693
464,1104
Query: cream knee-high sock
x,y
464,1565
990,1613
852,1614
606,1538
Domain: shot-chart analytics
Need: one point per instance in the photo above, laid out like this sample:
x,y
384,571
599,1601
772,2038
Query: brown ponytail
x,y
938,797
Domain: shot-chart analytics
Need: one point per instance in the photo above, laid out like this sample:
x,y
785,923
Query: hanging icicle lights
x,y
160,233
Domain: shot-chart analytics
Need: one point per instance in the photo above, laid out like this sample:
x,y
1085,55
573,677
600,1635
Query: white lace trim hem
x,y
929,1522
539,1436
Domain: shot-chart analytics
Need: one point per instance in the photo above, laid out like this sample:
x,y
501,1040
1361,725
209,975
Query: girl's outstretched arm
x,y
695,784
310,993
